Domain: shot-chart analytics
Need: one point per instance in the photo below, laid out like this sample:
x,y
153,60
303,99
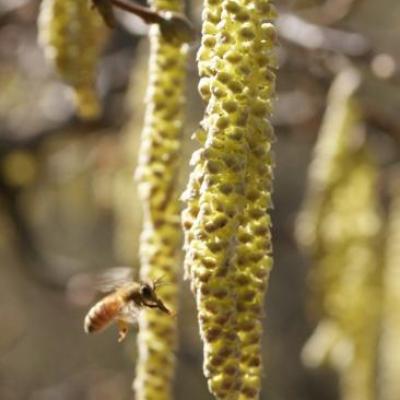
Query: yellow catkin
x,y
229,193
254,248
340,227
211,17
72,35
157,175
389,384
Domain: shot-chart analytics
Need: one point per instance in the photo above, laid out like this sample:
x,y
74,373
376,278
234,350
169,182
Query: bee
x,y
123,305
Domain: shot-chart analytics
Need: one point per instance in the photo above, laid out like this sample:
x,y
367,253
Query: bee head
x,y
149,297
147,291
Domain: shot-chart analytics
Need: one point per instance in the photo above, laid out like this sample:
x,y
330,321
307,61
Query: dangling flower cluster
x,y
340,227
390,356
226,221
72,35
157,174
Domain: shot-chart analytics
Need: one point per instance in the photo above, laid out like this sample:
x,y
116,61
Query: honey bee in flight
x,y
123,305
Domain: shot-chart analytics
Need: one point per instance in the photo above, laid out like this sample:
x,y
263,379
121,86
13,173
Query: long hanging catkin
x,y
253,257
211,16
390,348
229,193
72,36
157,174
340,227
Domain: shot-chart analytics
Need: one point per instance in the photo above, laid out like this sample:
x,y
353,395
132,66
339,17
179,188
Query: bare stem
x,y
174,26
148,15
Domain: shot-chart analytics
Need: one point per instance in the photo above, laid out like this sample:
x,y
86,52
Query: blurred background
x,y
69,208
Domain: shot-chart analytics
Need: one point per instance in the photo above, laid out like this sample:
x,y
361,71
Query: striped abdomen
x,y
103,313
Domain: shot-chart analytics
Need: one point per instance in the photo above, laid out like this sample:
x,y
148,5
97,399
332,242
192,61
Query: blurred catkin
x,y
72,36
340,227
227,239
157,175
390,348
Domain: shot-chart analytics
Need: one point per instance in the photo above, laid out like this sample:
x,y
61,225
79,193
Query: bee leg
x,y
151,305
160,305
122,330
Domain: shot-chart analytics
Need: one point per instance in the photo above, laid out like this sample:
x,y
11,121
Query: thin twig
x,y
174,26
147,14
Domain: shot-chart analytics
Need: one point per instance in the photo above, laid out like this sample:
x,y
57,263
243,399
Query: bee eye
x,y
145,291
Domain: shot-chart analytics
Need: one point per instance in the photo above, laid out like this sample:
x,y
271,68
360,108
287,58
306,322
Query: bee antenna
x,y
159,282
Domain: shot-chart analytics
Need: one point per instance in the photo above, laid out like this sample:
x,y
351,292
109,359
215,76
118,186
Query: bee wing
x,y
82,288
113,278
129,314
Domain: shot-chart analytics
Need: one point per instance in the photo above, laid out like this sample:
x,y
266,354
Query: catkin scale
x,y
72,36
